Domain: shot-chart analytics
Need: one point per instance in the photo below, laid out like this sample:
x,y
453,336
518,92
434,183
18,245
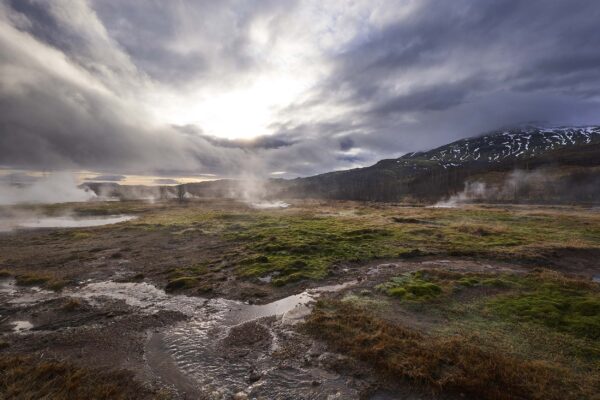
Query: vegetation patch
x,y
72,305
45,281
26,377
444,363
565,308
184,282
80,235
304,246
31,279
414,286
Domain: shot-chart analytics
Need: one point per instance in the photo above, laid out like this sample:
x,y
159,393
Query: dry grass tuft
x,y
479,229
28,378
450,364
72,304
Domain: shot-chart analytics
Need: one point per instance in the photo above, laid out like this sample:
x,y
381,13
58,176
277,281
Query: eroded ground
x,y
480,302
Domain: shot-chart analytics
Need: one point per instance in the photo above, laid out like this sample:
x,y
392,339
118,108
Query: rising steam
x,y
516,186
54,188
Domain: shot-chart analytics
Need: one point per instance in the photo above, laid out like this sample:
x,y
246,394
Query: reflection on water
x,y
71,222
20,326
223,340
12,222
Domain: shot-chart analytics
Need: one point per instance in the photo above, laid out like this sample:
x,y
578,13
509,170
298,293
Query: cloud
x,y
204,87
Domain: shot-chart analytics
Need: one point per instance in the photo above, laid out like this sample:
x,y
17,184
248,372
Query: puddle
x,y
10,293
72,222
9,223
265,205
20,326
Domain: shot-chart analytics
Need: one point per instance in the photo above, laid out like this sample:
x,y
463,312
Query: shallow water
x,y
263,205
20,326
200,348
72,222
194,355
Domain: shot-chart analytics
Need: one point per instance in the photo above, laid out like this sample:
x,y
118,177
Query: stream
x,y
225,348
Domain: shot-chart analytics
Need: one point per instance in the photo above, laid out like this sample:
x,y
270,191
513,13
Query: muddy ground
x,y
94,297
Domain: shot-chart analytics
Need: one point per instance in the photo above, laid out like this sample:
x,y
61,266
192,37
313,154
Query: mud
x,y
195,347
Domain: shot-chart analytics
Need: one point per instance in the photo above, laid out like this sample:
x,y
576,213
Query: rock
x,y
240,396
254,376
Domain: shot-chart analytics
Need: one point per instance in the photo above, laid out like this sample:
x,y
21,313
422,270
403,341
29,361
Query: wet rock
x,y
333,361
254,376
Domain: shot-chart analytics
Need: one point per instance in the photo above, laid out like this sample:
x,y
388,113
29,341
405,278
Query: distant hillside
x,y
529,164
566,161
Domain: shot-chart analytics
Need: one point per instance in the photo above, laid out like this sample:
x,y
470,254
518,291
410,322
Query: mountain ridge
x,y
555,165
444,170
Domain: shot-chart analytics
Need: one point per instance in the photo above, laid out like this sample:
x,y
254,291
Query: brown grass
x,y
72,305
29,378
450,364
50,282
479,229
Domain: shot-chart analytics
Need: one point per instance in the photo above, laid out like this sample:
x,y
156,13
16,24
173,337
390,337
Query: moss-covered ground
x,y
493,336
304,242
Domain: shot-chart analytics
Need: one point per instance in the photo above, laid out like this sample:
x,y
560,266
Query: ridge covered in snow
x,y
495,147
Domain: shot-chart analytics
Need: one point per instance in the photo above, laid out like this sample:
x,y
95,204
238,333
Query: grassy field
x,y
524,323
23,377
491,336
304,242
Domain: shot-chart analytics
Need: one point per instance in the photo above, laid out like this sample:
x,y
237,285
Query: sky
x,y
182,90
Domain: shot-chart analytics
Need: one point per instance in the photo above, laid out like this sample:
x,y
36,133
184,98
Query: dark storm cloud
x,y
453,69
75,78
188,40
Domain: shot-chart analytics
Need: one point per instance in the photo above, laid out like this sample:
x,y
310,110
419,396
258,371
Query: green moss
x,y
267,241
414,286
468,281
565,309
78,235
497,282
